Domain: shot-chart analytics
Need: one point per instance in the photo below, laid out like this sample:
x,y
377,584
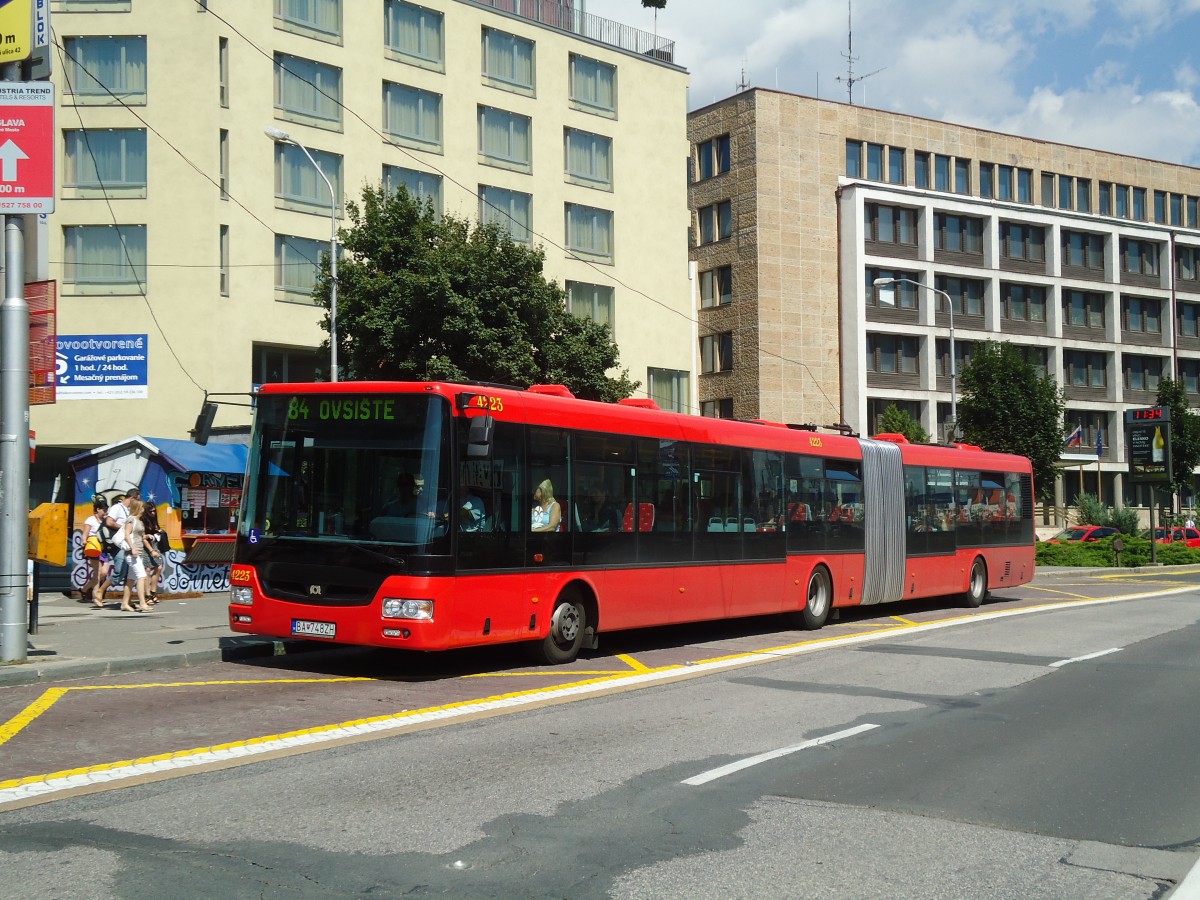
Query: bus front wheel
x,y
568,623
818,600
977,585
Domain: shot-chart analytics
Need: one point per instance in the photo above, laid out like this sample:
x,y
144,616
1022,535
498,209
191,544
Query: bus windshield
x,y
372,468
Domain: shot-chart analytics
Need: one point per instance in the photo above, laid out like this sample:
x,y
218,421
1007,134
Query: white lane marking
x,y
1063,662
714,774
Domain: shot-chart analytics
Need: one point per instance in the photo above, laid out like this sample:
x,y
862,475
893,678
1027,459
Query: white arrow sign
x,y
9,154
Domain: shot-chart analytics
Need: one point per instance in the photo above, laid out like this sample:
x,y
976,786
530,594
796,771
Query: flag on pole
x,y
1075,438
1099,442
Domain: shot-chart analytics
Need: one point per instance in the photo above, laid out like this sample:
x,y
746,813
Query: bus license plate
x,y
306,628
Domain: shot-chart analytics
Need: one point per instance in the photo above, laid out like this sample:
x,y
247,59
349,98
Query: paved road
x,y
1019,755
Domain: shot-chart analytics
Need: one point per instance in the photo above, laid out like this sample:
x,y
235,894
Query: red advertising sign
x,y
26,147
42,300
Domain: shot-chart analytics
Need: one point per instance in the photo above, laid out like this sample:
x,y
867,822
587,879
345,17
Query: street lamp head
x,y
277,134
883,282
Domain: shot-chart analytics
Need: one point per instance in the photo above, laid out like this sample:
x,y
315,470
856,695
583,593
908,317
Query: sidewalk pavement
x,y
76,641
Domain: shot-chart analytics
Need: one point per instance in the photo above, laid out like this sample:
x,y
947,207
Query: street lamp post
x,y
887,282
283,137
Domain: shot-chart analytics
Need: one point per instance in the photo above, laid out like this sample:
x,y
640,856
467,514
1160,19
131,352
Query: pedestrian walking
x,y
152,557
135,534
97,560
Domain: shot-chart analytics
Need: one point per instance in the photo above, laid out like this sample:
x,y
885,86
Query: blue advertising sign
x,y
102,367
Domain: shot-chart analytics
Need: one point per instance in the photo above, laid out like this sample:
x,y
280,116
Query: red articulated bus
x,y
403,515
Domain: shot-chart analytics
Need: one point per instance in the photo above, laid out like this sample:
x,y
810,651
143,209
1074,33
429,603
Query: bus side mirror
x,y
479,437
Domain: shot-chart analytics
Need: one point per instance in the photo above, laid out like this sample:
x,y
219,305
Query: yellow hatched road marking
x,y
903,620
633,663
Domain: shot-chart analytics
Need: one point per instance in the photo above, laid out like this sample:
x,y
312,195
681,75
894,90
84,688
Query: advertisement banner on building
x,y
102,367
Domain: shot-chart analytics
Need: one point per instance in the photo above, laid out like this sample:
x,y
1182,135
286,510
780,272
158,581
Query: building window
x,y
588,158
591,301
962,176
589,232
414,32
987,173
717,409
1160,207
962,356
1048,189
1187,263
1142,315
223,161
716,287
106,159
713,156
297,263
892,354
413,115
105,69
1139,204
323,18
1038,357
504,139
1121,193
1082,250
511,211
1189,371
1139,257
308,91
1189,320
1065,194
508,60
298,182
716,222
1004,182
424,187
854,151
941,172
1024,185
958,234
223,247
1083,369
965,293
668,388
921,168
275,365
1142,373
1105,199
895,165
875,162
901,295
716,352
890,224
1023,302
1083,194
593,85
1193,212
1083,309
1022,241
105,258
223,71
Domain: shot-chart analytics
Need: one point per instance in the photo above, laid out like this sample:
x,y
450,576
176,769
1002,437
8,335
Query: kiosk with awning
x,y
196,490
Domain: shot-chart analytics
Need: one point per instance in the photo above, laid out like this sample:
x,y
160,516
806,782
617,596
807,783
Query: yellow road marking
x,y
903,620
633,663
14,725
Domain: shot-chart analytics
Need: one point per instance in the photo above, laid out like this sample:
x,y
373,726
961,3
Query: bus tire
x,y
976,584
568,624
818,600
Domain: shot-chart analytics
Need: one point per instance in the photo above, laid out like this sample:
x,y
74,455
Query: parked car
x,y
1084,533
1189,537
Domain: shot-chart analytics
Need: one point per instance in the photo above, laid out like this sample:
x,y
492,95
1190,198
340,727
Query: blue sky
x,y
1121,76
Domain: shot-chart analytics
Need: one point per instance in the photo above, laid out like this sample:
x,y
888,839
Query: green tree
x,y
898,421
1185,433
1007,406
428,297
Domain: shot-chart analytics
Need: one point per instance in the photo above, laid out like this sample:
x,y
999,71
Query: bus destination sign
x,y
376,408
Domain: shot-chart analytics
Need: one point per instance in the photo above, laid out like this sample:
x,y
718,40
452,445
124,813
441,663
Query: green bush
x,y
1125,520
1100,554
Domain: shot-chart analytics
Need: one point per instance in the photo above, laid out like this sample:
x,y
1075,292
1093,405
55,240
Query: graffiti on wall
x,y
176,577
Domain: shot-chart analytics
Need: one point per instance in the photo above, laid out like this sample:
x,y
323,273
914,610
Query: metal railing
x,y
565,17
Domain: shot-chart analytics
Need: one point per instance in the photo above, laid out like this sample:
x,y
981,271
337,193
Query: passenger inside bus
x,y
405,501
547,514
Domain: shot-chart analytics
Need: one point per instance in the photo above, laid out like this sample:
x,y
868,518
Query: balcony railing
x,y
563,16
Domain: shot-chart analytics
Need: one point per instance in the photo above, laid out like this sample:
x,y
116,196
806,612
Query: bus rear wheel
x,y
818,600
568,623
977,585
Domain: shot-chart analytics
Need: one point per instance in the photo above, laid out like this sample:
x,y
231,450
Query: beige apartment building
x,y
1088,261
185,240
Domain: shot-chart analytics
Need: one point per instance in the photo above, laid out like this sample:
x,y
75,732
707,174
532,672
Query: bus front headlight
x,y
399,608
241,595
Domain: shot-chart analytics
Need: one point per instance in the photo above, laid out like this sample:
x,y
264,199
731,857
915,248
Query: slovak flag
x,y
1099,442
1075,438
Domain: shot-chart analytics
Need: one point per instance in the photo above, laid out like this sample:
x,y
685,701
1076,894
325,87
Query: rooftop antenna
x,y
850,58
742,84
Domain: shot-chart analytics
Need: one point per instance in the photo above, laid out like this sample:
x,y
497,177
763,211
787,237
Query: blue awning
x,y
187,456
